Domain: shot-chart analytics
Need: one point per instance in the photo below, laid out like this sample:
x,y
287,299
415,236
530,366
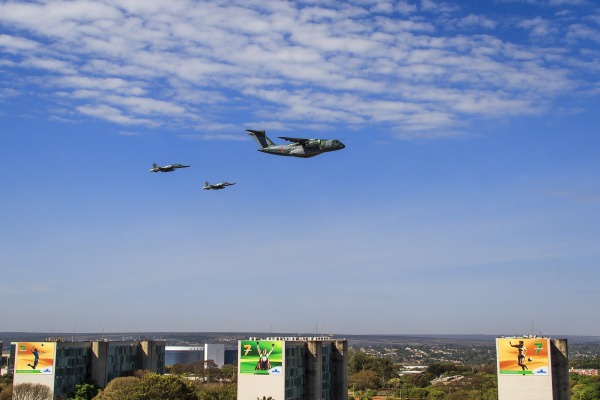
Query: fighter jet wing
x,y
296,140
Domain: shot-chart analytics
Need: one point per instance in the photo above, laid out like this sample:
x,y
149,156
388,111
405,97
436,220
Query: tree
x,y
196,368
589,363
590,391
383,367
464,394
6,393
209,391
394,383
490,394
420,380
417,393
229,372
159,387
31,391
6,380
365,379
366,395
436,394
149,386
437,369
85,391
127,387
358,361
212,372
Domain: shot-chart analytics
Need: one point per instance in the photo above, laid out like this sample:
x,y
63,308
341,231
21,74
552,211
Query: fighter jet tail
x,y
261,138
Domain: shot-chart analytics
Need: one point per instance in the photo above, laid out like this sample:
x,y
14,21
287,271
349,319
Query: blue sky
x,y
467,199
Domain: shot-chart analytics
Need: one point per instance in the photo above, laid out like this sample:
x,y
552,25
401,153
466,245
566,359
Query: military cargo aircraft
x,y
167,168
298,148
217,186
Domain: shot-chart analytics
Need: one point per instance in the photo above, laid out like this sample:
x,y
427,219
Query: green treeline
x,y
370,376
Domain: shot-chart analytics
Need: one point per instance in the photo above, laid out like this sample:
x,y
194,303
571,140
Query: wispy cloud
x,y
214,136
113,115
553,3
473,20
421,67
538,27
12,44
7,92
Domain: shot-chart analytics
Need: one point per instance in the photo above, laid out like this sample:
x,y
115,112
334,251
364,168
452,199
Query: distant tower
x,y
532,368
215,352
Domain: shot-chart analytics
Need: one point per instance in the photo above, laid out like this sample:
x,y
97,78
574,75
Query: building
x,y
218,353
413,370
583,371
293,368
231,355
61,365
183,354
446,380
532,368
4,362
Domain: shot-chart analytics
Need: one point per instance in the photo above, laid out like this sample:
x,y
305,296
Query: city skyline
x,y
466,200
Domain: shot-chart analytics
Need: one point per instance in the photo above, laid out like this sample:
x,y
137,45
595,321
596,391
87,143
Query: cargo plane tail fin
x,y
261,138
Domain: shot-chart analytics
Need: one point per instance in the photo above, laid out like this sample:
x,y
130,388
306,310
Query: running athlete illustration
x,y
263,363
36,357
522,351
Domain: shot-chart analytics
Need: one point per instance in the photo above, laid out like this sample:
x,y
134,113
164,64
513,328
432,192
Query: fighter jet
x,y
298,148
167,168
217,186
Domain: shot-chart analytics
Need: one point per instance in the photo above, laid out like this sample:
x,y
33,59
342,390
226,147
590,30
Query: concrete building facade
x,y
533,368
293,368
61,365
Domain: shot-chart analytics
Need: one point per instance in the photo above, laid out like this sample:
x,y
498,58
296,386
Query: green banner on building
x,y
260,357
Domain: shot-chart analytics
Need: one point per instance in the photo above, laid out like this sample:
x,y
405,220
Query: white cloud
x,y
134,62
538,27
146,106
437,6
17,44
113,115
102,85
594,18
579,32
473,20
404,7
217,136
567,2
8,92
49,64
549,2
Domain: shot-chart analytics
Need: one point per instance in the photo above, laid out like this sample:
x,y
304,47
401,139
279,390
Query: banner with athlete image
x,y
34,358
523,356
261,357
